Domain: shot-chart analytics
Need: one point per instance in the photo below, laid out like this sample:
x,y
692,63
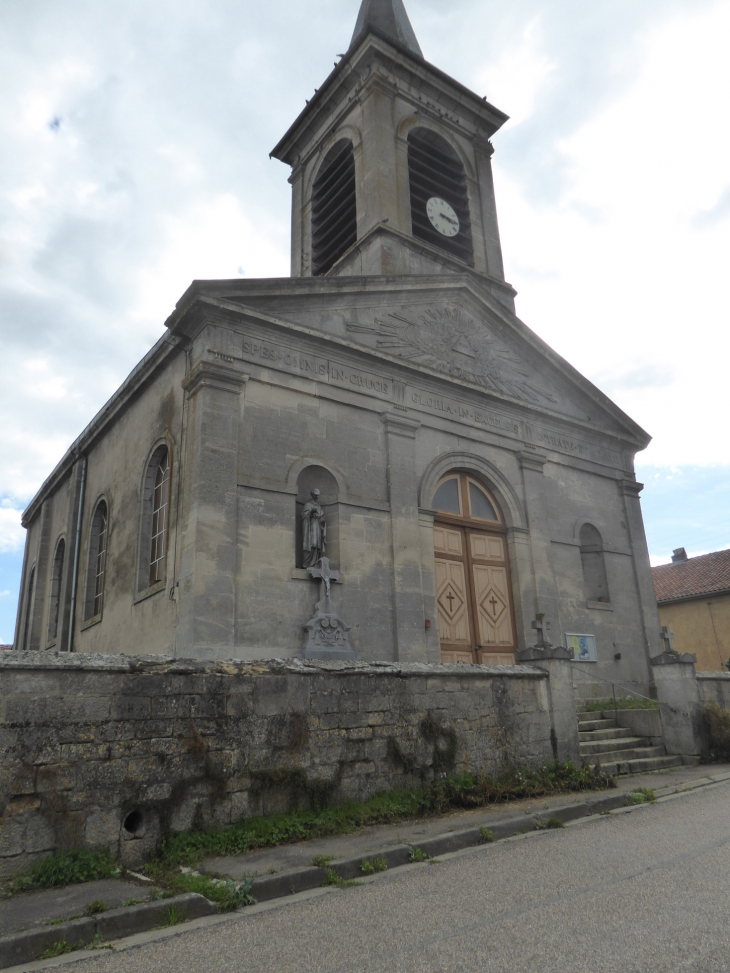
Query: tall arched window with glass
x,y
56,580
97,561
160,508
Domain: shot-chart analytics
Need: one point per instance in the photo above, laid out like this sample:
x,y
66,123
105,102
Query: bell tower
x,y
391,165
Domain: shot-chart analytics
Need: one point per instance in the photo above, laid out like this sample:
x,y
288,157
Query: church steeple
x,y
391,165
388,18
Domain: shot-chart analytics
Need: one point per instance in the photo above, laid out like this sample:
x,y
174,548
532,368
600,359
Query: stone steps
x,y
593,735
641,765
616,748
613,746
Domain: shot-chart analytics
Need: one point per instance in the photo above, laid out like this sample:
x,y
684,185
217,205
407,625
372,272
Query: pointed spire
x,y
387,17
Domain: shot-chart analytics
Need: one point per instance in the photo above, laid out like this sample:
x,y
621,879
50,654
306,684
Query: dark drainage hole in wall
x,y
133,822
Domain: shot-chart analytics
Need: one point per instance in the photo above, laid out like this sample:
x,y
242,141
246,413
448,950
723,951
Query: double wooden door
x,y
476,617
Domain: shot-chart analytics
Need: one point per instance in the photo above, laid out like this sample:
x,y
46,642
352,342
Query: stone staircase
x,y
616,748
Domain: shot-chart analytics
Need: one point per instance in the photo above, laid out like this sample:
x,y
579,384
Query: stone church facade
x,y
470,479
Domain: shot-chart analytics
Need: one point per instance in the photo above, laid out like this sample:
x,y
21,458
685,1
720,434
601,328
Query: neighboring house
x,y
5,647
693,594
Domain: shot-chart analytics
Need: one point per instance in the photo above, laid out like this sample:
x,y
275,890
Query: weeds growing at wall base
x,y
460,791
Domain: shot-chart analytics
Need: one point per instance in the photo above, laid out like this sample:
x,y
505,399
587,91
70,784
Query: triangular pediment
x,y
438,325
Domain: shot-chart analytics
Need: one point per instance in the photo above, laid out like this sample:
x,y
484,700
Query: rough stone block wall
x,y
714,687
111,751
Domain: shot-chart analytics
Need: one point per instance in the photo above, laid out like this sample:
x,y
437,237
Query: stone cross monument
x,y
327,636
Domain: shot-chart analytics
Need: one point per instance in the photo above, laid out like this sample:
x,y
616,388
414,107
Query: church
x,y
373,458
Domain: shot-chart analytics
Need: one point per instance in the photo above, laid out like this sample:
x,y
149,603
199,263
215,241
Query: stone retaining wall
x,y
714,687
111,751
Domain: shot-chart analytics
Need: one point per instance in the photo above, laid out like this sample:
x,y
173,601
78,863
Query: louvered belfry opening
x,y
334,211
434,169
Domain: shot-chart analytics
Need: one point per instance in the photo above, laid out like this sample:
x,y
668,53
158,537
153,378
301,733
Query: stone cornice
x,y
214,374
532,461
630,488
400,426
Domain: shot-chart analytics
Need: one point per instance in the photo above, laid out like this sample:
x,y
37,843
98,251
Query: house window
x,y
56,590
439,197
97,561
158,532
29,608
594,564
334,210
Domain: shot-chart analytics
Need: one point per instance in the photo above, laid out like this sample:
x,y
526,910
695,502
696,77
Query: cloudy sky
x,y
134,141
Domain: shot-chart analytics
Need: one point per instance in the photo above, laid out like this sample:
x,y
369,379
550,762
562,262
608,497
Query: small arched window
x,y
155,519
29,608
439,197
96,572
334,208
461,496
56,580
594,565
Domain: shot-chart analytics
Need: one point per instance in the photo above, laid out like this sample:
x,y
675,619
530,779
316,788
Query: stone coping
x,y
714,675
157,664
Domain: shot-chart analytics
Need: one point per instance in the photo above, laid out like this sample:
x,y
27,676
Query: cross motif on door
x,y
493,602
450,598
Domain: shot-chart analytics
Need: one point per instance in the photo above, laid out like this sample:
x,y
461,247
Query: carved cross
x,y
667,636
493,602
326,576
450,598
540,625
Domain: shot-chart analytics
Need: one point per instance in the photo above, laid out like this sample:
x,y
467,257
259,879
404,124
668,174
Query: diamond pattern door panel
x,y
493,606
453,607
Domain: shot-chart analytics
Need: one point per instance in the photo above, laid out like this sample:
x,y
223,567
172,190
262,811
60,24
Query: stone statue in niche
x,y
314,534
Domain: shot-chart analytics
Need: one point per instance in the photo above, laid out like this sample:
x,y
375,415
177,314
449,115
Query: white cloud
x,y
12,535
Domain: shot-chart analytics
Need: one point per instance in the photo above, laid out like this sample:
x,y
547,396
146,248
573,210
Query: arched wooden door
x,y
473,586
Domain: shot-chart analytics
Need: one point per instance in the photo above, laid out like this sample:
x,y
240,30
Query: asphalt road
x,y
643,891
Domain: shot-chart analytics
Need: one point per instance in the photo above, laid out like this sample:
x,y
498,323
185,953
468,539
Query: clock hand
x,y
448,218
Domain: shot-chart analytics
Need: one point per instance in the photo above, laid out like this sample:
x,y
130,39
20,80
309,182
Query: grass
x,y
332,878
227,894
601,705
67,868
486,836
174,917
322,861
461,791
95,907
641,795
418,855
57,949
132,901
370,866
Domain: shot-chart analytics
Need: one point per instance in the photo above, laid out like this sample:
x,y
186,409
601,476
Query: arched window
x,y
439,197
594,565
155,519
56,580
334,209
96,571
29,608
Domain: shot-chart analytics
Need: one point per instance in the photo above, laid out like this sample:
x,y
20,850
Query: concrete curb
x,y
23,947
300,879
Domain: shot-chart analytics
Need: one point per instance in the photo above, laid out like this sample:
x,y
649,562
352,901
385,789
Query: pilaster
x,y
428,575
38,638
400,438
557,662
544,587
207,595
630,491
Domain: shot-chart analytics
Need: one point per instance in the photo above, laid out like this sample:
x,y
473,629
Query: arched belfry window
x,y
56,580
334,210
594,564
96,574
439,197
155,519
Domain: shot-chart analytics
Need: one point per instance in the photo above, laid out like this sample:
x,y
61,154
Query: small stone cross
x,y
540,625
326,576
667,636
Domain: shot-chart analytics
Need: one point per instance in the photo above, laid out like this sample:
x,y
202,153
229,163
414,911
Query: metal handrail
x,y
613,688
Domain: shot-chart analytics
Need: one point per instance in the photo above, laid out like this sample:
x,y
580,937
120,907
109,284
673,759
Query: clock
x,y
442,216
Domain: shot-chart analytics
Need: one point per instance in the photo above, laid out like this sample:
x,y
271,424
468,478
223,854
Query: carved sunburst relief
x,y
450,340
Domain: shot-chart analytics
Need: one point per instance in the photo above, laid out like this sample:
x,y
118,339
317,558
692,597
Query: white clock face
x,y
442,216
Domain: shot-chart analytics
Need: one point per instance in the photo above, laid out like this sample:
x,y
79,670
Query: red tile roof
x,y
5,647
692,578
